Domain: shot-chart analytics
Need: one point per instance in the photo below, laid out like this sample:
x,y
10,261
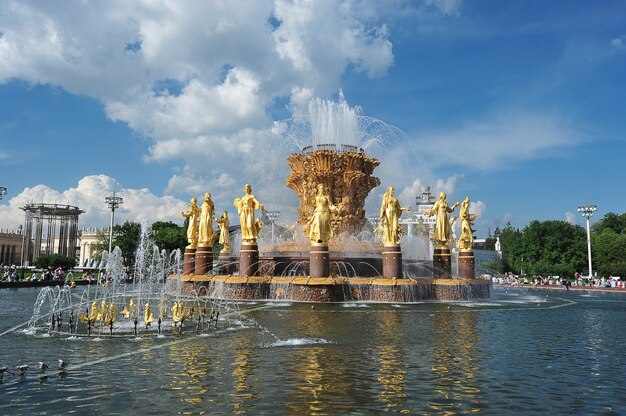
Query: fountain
x,y
145,304
332,176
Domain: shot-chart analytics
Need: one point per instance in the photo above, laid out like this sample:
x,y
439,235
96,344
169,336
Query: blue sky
x,y
519,105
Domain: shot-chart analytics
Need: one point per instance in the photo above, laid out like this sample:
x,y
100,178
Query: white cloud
x,y
502,139
89,195
197,79
618,43
570,217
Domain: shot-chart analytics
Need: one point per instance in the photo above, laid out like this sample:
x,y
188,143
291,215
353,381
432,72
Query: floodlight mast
x,y
587,211
113,202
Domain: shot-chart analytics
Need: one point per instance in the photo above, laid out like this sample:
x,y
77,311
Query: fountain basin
x,y
330,289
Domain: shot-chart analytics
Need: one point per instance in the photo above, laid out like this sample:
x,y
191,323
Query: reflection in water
x,y
244,369
391,374
190,378
455,364
310,392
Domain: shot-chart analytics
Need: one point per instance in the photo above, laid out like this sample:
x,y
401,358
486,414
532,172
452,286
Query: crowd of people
x,y
10,274
577,281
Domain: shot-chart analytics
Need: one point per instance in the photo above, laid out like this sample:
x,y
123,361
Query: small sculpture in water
x,y
205,234
320,230
148,316
110,315
390,212
467,220
128,311
224,223
443,231
246,205
192,228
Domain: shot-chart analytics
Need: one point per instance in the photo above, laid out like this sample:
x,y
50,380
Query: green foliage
x,y
608,242
492,267
126,237
545,248
52,261
611,221
169,236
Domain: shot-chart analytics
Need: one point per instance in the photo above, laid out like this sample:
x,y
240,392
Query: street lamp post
x,y
113,202
3,191
587,211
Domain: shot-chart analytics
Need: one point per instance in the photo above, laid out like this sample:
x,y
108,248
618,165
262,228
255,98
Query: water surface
x,y
523,352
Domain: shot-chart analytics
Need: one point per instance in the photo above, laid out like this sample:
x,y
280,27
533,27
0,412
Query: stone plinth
x,y
319,263
204,260
329,289
225,263
249,259
467,268
189,261
392,262
442,263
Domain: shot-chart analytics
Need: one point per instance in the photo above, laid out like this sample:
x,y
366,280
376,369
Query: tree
x,y
126,237
544,247
52,261
169,236
608,245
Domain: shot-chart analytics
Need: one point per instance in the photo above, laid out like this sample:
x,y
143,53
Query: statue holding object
x,y
192,228
467,220
390,212
246,205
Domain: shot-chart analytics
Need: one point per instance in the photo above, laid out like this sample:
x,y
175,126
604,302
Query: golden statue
x,y
390,212
443,231
192,229
148,316
179,312
348,178
128,311
205,234
224,223
467,220
320,230
93,315
109,316
245,207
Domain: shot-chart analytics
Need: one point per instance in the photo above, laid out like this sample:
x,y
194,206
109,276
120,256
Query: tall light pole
x,y
113,202
3,191
587,211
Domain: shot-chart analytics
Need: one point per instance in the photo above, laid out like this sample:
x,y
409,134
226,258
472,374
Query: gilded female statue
x,y
443,231
390,212
320,229
223,222
467,233
246,205
205,237
192,228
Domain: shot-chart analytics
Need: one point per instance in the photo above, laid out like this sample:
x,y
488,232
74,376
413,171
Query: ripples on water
x,y
521,353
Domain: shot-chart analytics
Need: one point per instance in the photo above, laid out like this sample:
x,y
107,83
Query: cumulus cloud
x,y
198,80
89,194
570,217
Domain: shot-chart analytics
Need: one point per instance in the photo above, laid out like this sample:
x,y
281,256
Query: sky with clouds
x,y
519,105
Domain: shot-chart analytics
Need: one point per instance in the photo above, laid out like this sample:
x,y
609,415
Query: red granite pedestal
x,y
442,263
319,261
392,262
249,259
204,260
225,264
189,260
467,269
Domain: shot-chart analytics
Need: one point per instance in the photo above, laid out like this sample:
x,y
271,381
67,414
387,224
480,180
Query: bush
x,y
52,261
